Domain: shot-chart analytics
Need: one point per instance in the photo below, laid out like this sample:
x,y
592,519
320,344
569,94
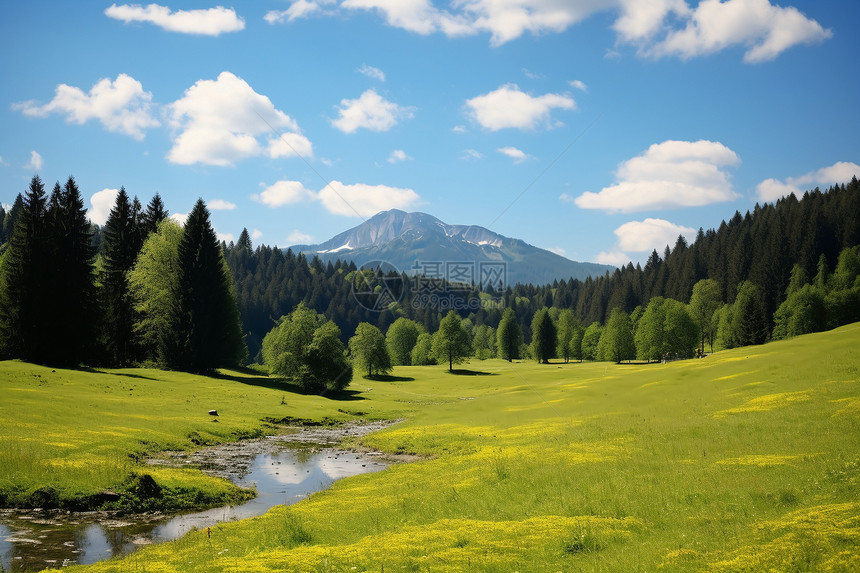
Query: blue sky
x,y
600,130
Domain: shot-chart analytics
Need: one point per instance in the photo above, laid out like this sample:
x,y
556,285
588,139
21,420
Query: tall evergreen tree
x,y
509,336
155,213
11,217
120,245
544,337
74,303
25,280
207,318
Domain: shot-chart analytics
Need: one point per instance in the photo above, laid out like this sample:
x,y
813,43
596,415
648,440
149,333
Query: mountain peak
x,y
406,239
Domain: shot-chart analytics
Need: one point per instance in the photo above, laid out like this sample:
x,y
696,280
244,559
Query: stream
x,y
35,540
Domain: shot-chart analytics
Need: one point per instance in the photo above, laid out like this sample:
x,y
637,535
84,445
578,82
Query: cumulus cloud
x,y
370,111
208,22
668,175
655,27
840,172
579,85
223,121
372,73
226,237
517,155
766,30
361,200
35,162
650,234
614,258
398,155
283,193
509,107
221,205
299,238
179,218
256,234
101,203
298,9
122,106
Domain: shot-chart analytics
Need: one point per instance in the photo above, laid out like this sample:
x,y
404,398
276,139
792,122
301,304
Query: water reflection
x,y
284,477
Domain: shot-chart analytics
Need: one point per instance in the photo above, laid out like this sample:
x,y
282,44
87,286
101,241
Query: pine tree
x,y
11,217
544,337
120,245
155,213
74,304
25,279
207,319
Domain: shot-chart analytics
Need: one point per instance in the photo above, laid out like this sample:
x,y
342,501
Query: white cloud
x,y
565,198
226,237
517,155
370,111
102,202
765,29
509,107
557,251
656,27
283,193
299,238
668,175
256,234
398,155
372,73
459,129
221,205
3,161
533,75
208,22
650,234
120,105
35,162
179,218
222,121
578,85
840,172
614,258
299,9
365,200
471,155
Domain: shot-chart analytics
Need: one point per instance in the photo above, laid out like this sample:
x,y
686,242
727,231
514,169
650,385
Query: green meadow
x,y
748,459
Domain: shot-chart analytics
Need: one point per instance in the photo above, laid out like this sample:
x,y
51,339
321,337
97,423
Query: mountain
x,y
420,243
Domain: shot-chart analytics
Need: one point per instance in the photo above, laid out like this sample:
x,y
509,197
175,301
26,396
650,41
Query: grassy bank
x,y
746,460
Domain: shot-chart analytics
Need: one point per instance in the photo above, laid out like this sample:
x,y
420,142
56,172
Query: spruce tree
x,y
544,337
208,329
155,213
24,280
509,336
120,244
72,301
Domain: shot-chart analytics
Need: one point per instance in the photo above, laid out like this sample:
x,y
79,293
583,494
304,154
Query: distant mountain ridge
x,y
409,241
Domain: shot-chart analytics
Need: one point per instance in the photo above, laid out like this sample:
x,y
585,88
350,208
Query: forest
x,y
143,290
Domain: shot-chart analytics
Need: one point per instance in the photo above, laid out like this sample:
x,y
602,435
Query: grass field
x,y
746,460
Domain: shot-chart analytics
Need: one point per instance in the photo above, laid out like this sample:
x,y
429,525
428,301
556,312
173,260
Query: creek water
x,y
34,541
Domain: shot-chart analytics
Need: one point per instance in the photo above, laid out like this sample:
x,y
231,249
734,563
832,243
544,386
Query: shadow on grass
x,y
91,370
466,372
388,378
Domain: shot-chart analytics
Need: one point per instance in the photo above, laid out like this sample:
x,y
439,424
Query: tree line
x,y
67,298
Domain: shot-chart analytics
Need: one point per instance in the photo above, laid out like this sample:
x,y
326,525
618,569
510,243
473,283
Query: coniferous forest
x,y
141,289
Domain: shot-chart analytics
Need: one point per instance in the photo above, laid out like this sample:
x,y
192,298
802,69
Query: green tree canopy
x,y
703,304
484,342
451,342
590,341
400,339
749,323
567,327
305,349
422,353
616,343
369,350
509,336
